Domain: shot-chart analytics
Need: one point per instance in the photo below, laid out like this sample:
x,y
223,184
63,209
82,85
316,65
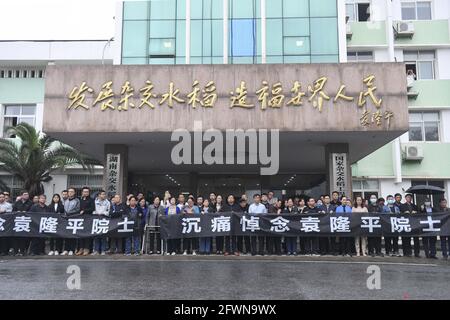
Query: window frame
x,y
420,60
355,9
416,16
17,116
365,193
422,126
357,55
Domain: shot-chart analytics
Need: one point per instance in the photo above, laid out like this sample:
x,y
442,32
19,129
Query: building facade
x,y
272,32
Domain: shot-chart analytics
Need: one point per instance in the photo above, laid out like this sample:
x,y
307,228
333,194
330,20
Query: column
x,y
338,169
115,172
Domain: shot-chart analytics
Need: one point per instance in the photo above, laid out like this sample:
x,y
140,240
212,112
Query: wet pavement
x,y
217,277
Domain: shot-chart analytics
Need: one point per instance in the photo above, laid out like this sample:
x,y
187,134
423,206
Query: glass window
x,y
196,41
162,29
242,9
424,126
196,9
135,10
350,11
324,37
274,9
361,56
295,8
134,42
323,8
419,199
181,39
424,10
421,63
365,188
242,37
296,27
142,60
296,45
408,11
163,9
162,46
274,36
426,71
15,114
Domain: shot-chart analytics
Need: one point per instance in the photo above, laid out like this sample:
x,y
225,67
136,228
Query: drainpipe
x,y
396,147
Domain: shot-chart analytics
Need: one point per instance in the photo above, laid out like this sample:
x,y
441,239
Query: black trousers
x,y
20,244
56,244
190,244
324,245
219,244
230,244
248,246
391,244
37,246
70,244
254,245
374,245
4,245
311,245
429,246
346,245
274,245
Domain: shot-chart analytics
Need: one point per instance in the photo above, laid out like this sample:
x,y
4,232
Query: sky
x,y
56,19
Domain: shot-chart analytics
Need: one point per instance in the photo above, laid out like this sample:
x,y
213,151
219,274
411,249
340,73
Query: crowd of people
x,y
146,214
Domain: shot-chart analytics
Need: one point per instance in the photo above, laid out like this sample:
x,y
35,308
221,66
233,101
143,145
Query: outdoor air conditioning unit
x,y
404,29
413,152
349,31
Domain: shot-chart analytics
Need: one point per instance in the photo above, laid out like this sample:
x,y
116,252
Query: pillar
x,y
339,171
115,172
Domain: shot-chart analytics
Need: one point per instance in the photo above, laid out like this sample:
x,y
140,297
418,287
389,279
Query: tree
x,y
33,156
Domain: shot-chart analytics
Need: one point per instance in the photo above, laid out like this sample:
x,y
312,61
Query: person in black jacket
x,y
410,208
56,206
117,210
87,206
311,243
230,206
429,242
37,246
241,240
23,204
374,242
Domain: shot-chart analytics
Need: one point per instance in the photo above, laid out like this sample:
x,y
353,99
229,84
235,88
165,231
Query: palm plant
x,y
33,156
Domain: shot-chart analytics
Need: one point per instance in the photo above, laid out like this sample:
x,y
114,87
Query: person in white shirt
x,y
102,207
5,207
257,208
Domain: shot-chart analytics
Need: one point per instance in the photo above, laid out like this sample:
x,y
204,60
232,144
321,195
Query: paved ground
x,y
217,277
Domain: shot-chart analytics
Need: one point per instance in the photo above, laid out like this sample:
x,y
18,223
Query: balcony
x,y
426,33
370,33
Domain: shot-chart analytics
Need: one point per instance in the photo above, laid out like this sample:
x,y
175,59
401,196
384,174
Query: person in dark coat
x,y
429,242
37,246
56,206
230,206
23,204
374,242
410,208
87,206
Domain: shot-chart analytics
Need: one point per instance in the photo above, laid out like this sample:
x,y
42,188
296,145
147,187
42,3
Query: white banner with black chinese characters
x,y
112,173
49,225
304,225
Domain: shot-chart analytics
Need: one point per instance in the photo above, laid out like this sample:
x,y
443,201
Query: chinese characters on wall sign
x,y
339,173
112,173
267,96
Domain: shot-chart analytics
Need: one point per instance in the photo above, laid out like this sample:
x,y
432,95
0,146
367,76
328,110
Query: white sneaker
x,y
184,253
194,253
70,253
103,253
56,253
94,253
64,253
173,253
51,253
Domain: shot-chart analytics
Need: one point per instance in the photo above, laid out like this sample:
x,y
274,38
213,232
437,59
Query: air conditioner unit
x,y
413,152
404,29
349,31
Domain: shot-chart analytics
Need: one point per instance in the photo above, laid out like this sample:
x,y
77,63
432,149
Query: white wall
x,y
441,9
56,185
445,126
388,186
443,63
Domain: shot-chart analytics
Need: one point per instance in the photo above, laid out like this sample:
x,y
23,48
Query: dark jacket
x,y
230,208
293,210
422,209
38,209
327,209
117,210
59,209
87,205
409,208
311,210
22,206
374,208
136,215
243,209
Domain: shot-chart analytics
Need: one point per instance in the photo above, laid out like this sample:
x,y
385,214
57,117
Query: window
x,y
419,199
424,126
421,63
416,10
243,38
15,114
78,181
22,73
362,56
13,185
358,10
365,188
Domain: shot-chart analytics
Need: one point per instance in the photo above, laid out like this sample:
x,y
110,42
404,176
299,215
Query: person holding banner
x,y
205,242
291,242
445,241
71,207
37,246
257,208
155,211
243,207
134,213
429,242
311,243
410,208
56,206
344,245
190,243
231,206
360,241
5,207
374,241
117,210
391,243
23,204
173,245
102,209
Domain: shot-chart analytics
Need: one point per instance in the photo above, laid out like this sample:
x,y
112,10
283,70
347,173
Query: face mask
x,y
373,201
391,201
